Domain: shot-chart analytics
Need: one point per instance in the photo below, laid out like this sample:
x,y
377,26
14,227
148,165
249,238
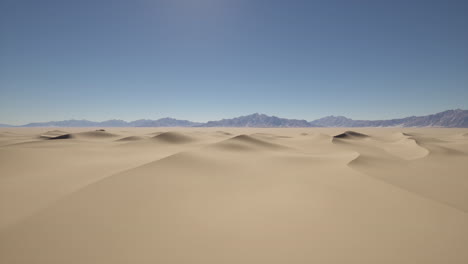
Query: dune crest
x,y
173,138
245,142
224,133
407,148
95,134
56,134
131,138
351,134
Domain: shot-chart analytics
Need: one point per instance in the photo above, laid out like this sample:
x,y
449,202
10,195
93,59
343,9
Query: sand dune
x,y
55,134
351,134
236,195
223,133
131,138
173,137
95,134
245,142
406,147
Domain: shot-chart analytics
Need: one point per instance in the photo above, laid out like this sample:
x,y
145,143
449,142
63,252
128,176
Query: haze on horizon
x,y
211,59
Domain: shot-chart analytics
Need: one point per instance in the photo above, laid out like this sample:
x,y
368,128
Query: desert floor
x,y
233,195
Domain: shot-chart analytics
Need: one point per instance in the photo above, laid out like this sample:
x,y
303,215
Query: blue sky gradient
x,y
210,59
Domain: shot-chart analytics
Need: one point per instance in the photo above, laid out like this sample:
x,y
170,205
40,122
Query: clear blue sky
x,y
208,59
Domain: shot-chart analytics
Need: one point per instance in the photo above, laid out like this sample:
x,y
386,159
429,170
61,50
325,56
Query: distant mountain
x,y
449,118
112,123
258,120
65,123
333,121
163,122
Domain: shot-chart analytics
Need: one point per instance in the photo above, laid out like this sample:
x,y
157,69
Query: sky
x,y
210,59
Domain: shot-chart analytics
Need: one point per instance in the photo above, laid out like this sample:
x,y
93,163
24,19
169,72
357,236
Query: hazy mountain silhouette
x,y
449,118
64,123
258,120
163,122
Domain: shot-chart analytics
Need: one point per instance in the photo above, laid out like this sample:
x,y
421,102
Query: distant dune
x,y
351,134
56,134
234,195
95,134
173,137
131,138
245,142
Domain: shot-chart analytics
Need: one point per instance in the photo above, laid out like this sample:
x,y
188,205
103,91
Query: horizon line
x,y
201,122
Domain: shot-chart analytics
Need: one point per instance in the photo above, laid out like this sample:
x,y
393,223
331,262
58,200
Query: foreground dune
x,y
233,195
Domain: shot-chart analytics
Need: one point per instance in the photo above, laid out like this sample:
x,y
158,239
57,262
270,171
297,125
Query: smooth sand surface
x,y
233,195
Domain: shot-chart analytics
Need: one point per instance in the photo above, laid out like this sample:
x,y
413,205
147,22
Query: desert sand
x,y
233,195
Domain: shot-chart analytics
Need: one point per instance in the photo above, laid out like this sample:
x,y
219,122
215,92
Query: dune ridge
x,y
351,134
55,134
95,134
173,137
246,143
131,138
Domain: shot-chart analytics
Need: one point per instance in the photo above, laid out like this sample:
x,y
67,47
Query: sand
x,y
233,195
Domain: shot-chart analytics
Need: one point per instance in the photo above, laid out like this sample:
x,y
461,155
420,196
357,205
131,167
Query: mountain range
x,y
163,122
449,118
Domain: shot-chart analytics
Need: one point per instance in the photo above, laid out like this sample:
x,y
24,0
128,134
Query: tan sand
x,y
233,195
